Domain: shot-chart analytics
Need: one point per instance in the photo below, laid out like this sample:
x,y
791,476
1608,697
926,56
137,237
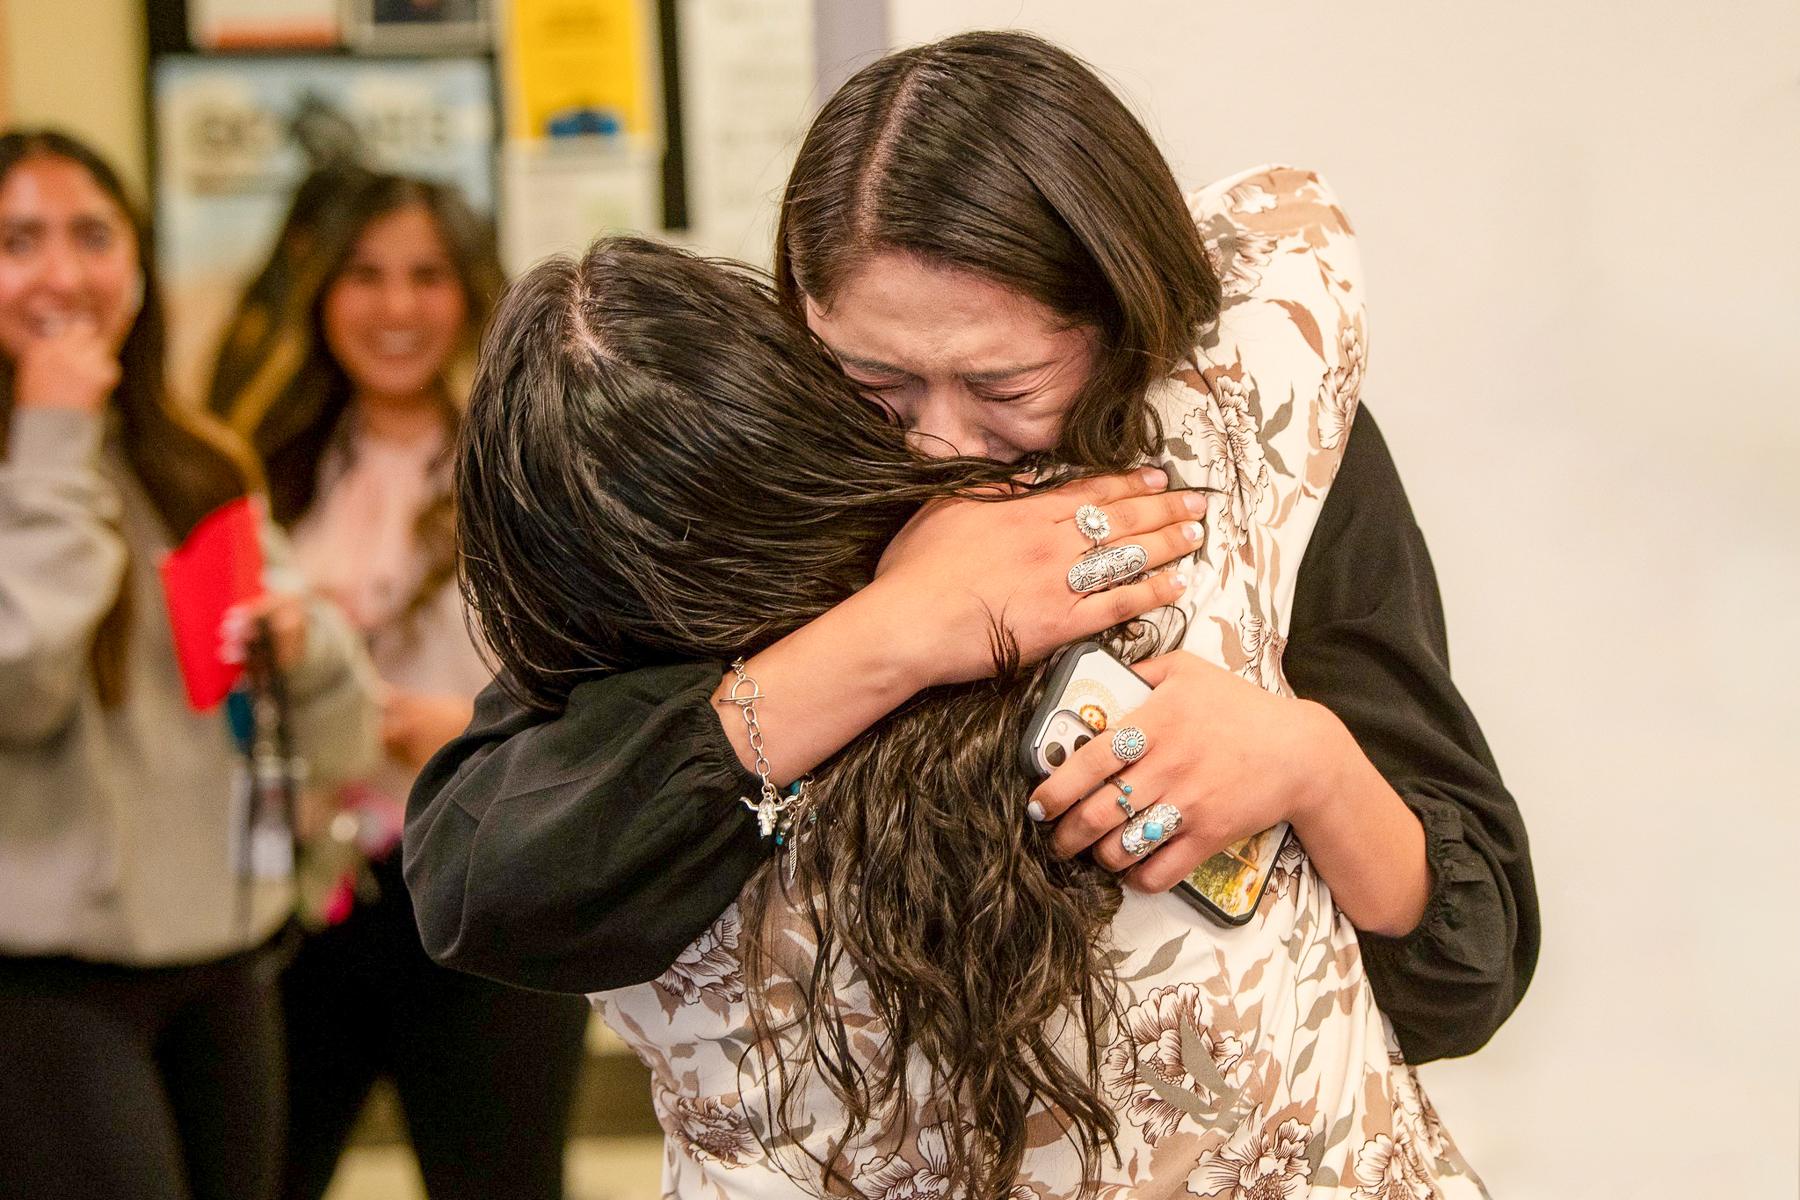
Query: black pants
x,y
486,1073
154,1083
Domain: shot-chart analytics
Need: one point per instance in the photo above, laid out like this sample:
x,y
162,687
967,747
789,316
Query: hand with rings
x,y
1209,758
959,562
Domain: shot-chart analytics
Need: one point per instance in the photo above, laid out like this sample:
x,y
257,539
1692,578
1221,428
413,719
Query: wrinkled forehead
x,y
899,312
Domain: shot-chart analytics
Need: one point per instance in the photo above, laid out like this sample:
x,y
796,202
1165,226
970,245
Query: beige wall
x,y
79,64
1578,225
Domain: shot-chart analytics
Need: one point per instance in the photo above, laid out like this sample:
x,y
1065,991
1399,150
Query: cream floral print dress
x,y
1248,1062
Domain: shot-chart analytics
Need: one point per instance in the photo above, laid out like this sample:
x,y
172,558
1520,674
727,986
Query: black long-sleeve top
x,y
585,852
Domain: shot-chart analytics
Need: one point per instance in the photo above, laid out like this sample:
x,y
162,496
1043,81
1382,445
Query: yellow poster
x,y
580,67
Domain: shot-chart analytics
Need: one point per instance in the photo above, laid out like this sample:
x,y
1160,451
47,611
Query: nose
x,y
399,298
941,427
61,270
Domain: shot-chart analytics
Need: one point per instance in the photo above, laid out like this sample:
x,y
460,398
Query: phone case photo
x,y
1089,682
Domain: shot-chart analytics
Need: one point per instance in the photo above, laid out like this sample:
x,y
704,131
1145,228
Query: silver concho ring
x,y
1149,828
1101,569
1093,524
1129,744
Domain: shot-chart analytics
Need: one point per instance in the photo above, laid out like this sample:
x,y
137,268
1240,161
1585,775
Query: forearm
x,y
63,565
583,852
1361,837
825,684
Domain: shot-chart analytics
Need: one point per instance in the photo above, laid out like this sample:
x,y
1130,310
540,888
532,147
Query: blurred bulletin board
x,y
747,95
417,26
233,134
262,24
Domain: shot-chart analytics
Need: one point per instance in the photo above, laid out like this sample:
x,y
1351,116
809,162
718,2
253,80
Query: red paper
x,y
218,567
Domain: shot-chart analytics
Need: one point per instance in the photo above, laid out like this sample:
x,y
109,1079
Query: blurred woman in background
x,y
350,381
139,1025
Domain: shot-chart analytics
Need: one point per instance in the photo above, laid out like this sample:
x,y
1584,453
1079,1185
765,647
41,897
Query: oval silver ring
x,y
1101,569
1150,829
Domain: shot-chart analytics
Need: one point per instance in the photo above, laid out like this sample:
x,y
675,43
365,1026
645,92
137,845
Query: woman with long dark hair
x,y
139,1019
996,253
926,992
348,369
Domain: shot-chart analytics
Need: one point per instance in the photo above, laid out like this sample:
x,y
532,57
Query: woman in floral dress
x,y
1014,1020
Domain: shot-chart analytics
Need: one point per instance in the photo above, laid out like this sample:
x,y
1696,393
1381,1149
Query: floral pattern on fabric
x,y
1248,1062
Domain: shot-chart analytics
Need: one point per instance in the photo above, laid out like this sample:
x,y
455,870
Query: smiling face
x,y
967,365
395,313
68,255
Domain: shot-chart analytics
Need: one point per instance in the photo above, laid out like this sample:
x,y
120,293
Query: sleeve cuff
x,y
716,747
1437,928
54,437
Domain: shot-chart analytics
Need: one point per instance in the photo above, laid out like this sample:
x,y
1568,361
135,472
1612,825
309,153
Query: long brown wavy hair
x,y
278,384
659,464
1000,154
188,464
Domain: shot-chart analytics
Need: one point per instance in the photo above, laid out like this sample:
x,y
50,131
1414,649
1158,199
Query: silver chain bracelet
x,y
772,809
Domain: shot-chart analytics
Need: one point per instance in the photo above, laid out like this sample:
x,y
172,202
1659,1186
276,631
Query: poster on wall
x,y
576,68
234,135
747,93
262,24
418,26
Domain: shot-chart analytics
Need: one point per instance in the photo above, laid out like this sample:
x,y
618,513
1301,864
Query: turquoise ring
x,y
1150,829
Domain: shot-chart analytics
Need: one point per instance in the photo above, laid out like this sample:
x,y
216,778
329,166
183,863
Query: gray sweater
x,y
116,826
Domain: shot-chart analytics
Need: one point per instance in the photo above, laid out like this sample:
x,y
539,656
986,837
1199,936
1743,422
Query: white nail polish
x,y
1182,579
1035,811
1193,531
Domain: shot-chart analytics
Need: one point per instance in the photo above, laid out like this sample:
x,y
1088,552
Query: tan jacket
x,y
116,827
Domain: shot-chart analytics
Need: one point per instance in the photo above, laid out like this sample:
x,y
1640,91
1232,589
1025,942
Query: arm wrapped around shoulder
x,y
585,851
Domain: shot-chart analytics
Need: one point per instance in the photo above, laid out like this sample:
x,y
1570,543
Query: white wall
x,y
1580,225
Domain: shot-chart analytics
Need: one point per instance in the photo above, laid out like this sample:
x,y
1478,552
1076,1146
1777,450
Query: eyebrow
x,y
877,367
39,224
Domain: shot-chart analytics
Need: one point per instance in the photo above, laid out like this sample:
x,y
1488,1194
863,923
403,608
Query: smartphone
x,y
1091,693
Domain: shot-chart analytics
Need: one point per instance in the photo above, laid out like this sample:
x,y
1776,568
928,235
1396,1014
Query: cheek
x,y
447,312
14,287
1029,430
345,308
119,296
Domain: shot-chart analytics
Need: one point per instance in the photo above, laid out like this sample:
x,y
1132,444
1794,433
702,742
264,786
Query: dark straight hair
x,y
1000,154
188,465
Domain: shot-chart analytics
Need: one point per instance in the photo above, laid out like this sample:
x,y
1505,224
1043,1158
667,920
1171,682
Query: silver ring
x,y
1129,744
1100,569
1093,524
1124,800
1149,829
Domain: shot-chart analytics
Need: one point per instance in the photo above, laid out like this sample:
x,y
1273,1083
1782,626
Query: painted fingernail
x,y
1154,477
1035,811
1182,579
1195,501
1193,531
